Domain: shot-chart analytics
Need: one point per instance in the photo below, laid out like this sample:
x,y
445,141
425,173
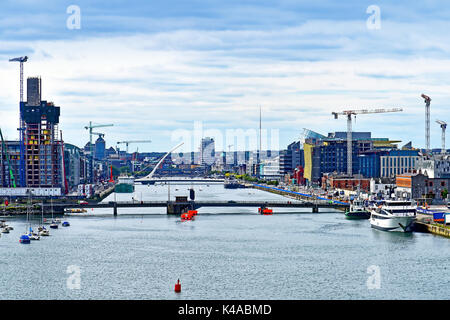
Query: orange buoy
x,y
178,286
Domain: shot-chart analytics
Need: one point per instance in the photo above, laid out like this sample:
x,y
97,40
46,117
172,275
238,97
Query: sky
x,y
153,68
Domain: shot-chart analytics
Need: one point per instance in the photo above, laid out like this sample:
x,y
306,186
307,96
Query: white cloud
x,y
149,84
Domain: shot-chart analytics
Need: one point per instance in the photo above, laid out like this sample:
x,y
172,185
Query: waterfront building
x,y
291,158
397,162
41,139
344,182
72,164
270,169
437,166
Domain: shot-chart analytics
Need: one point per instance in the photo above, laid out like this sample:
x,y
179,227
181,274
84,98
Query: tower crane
x,y
133,141
90,127
427,100
349,114
443,127
21,60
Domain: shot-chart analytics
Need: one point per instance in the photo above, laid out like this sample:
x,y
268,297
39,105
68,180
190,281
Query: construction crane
x,y
5,151
427,121
90,127
21,60
443,127
133,141
349,114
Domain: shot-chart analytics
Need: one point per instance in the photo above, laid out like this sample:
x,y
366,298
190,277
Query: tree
x,y
444,193
115,171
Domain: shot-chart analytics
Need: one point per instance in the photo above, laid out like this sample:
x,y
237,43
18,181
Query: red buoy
x,y
178,286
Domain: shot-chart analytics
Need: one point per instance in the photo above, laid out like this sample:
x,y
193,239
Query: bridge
x,y
180,180
178,207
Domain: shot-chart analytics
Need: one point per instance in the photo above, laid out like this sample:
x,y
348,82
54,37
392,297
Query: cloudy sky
x,y
154,67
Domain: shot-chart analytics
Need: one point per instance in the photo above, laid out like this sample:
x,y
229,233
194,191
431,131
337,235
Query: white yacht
x,y
393,215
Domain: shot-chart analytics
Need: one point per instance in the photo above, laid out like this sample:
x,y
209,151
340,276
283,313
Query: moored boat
x,y
125,185
394,215
357,211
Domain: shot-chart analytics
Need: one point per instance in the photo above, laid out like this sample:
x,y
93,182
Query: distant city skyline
x,y
155,67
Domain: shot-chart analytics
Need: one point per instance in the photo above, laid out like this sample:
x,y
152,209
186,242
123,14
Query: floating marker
x,y
178,286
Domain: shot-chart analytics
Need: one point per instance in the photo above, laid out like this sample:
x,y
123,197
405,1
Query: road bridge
x,y
177,207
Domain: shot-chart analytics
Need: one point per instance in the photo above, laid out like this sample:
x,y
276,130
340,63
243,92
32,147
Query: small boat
x,y
43,232
265,211
24,238
187,216
34,236
66,224
5,230
357,211
58,221
54,225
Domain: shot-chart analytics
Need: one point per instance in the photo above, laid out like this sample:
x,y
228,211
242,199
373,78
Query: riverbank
x,y
424,224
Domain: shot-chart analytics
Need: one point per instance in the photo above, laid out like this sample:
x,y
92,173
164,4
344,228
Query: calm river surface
x,y
226,253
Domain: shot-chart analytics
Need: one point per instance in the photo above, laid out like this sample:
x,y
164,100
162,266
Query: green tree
x,y
444,193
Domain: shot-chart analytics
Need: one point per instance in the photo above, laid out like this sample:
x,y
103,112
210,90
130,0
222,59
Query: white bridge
x,y
150,180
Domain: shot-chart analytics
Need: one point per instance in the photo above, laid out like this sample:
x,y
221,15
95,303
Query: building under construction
x,y
36,159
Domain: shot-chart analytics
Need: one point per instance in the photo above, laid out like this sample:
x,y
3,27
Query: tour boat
x,y
394,215
357,211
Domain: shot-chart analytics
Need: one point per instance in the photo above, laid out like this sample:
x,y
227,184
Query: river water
x,y
226,253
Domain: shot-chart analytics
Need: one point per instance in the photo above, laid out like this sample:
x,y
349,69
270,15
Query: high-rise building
x,y
34,91
100,147
42,145
207,152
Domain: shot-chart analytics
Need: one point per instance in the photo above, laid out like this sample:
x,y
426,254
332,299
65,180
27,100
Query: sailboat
x,y
41,229
32,235
25,238
55,223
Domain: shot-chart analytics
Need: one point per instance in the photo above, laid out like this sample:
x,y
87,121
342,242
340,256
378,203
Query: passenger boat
x,y
125,185
394,215
357,210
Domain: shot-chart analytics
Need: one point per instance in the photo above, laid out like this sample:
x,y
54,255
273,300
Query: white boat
x,y
5,230
43,232
394,215
33,236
